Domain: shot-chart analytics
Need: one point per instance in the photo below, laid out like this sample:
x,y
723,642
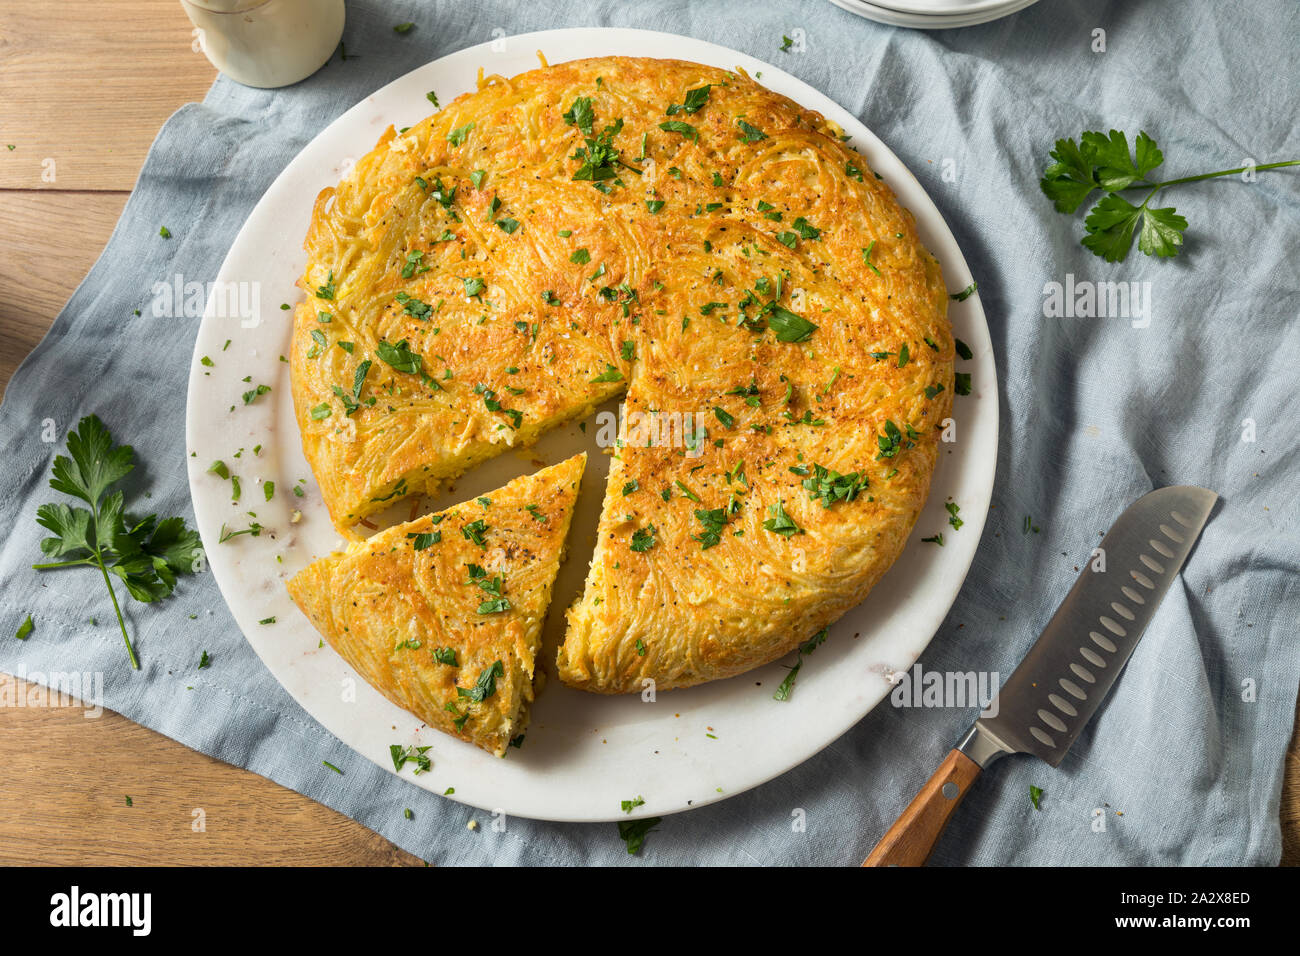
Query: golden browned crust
x,y
672,282
393,606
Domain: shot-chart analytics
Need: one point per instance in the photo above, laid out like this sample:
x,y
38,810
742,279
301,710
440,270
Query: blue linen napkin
x,y
1184,763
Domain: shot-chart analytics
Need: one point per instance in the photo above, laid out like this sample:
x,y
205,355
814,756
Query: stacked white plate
x,y
933,14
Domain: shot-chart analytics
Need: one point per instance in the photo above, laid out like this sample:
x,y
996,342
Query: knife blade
x,y
1065,677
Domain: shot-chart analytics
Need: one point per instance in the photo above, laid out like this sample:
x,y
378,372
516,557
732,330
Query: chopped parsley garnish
x,y
404,755
654,205
580,256
806,229
611,374
961,383
891,442
580,114
965,294
829,486
474,531
952,510
852,172
486,685
714,521
327,290
25,629
414,263
749,134
460,134
352,401
643,539
629,805
695,100
399,357
424,539
445,655
932,390
534,513
677,126
1035,796
599,159
728,420
903,355
780,522
963,350
788,326
633,832
936,539
806,648
866,257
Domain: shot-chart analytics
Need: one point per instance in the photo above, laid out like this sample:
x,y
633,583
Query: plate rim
x,y
615,40
891,13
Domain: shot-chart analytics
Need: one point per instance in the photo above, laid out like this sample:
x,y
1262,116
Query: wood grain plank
x,y
63,802
41,265
88,86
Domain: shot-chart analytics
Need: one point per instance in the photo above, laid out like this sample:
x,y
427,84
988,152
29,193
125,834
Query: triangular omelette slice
x,y
443,615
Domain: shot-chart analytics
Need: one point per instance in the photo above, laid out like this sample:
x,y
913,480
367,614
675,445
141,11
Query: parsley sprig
x,y
1102,161
145,553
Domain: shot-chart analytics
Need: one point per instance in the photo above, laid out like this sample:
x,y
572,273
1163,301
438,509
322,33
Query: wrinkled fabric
x,y
1184,762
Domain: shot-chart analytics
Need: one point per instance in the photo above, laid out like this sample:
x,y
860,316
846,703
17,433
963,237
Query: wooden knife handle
x,y
914,834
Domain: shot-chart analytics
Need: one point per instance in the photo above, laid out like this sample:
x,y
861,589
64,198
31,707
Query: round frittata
x,y
670,231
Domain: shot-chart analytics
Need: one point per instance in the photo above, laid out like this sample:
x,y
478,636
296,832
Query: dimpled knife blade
x,y
1074,663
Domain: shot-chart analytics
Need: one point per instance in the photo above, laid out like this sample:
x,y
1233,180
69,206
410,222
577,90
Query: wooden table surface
x,y
85,92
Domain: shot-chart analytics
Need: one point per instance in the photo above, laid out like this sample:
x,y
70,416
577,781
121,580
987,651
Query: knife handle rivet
x,y
950,790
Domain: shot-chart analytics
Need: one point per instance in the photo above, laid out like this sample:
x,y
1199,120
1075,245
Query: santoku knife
x,y
1071,667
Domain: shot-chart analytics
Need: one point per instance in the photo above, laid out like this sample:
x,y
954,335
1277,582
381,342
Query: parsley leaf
x,y
146,554
695,100
1103,161
486,685
677,126
806,648
788,326
399,357
643,539
780,522
580,114
633,832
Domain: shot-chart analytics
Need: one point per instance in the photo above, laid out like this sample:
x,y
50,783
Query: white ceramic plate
x,y
584,753
934,14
